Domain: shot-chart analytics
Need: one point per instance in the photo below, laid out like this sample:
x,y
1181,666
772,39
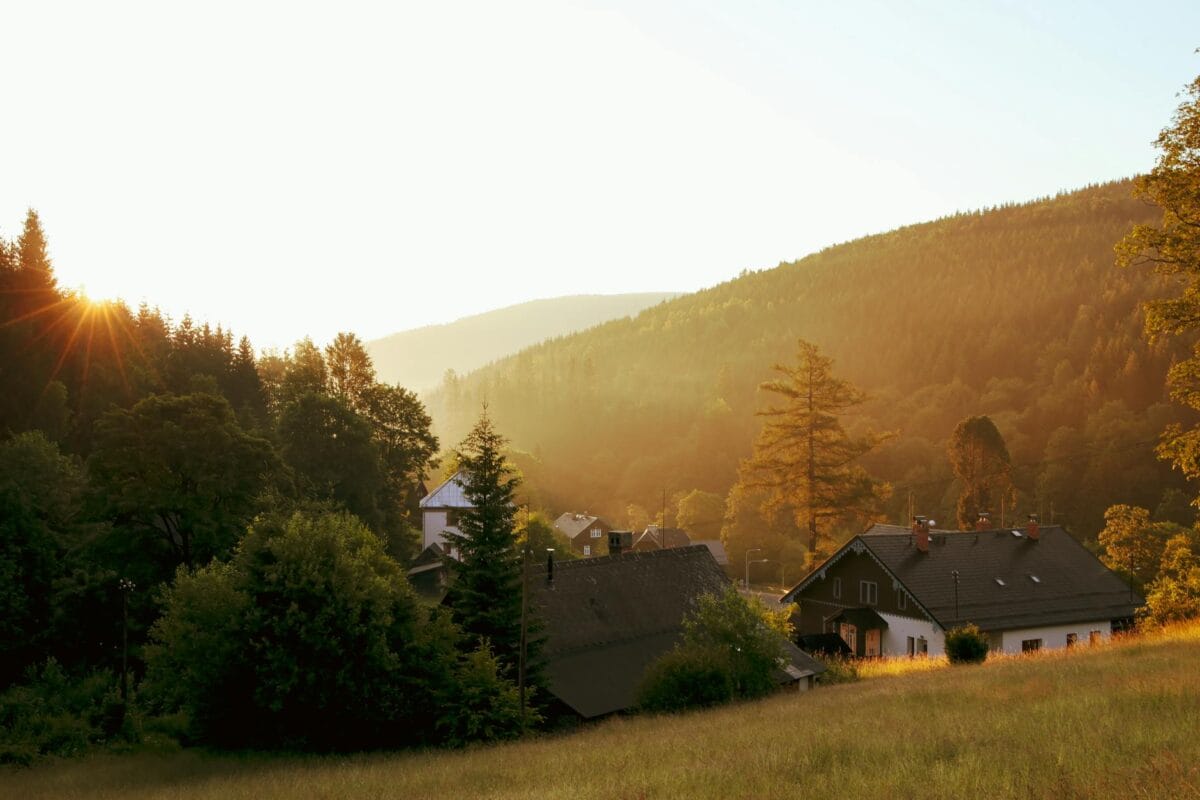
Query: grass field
x,y
1121,720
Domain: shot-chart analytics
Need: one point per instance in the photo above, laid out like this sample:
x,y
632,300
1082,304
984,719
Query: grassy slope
x,y
1117,721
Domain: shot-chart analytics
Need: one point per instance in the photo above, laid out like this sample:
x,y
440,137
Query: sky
x,y
292,169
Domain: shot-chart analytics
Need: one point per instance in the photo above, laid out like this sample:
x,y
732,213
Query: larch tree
x,y
1172,248
804,461
485,599
982,465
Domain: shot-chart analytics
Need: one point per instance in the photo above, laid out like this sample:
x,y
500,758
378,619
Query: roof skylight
x,y
1000,581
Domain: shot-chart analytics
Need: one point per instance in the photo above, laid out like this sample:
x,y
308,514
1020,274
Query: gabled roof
x,y
1005,579
448,495
652,538
572,524
606,619
717,549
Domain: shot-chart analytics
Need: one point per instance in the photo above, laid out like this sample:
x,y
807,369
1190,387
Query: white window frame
x,y
587,549
596,533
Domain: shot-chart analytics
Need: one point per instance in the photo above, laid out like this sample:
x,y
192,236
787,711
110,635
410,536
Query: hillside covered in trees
x,y
419,358
1016,312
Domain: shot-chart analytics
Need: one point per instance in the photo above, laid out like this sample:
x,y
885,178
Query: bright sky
x,y
301,168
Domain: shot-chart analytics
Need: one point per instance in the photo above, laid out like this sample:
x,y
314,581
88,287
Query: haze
x,y
292,169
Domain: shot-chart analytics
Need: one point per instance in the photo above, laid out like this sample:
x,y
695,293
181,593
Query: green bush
x,y
966,645
481,705
838,670
684,678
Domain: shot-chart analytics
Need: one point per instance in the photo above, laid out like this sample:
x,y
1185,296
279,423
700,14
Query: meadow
x,y
1119,720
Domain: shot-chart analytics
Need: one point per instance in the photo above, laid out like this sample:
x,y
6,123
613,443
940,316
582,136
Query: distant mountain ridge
x,y
418,358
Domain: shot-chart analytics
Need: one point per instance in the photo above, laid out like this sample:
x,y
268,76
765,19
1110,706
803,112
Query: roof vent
x,y
1035,578
1000,582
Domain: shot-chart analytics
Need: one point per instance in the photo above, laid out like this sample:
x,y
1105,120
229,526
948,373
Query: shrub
x,y
838,670
738,634
686,678
966,645
481,704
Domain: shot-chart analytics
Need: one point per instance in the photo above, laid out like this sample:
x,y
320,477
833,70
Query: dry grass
x,y
1122,720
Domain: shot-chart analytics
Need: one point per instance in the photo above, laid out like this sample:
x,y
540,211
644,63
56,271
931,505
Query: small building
x,y
896,591
440,510
606,619
656,538
431,572
588,533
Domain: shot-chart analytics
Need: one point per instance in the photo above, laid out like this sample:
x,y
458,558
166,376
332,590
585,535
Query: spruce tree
x,y
486,596
981,464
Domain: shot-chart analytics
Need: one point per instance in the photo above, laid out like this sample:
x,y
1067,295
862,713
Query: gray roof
x,y
717,549
573,524
606,619
1005,580
653,536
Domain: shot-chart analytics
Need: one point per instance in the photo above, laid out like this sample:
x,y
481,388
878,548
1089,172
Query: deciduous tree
x,y
981,463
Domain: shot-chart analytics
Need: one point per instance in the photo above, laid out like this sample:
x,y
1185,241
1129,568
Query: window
x,y
596,533
901,599
922,646
849,635
837,588
1031,645
1072,639
868,592
452,517
587,549
911,646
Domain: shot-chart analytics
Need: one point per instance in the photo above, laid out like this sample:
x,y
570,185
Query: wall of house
x,y
433,522
598,544
819,602
895,636
1054,637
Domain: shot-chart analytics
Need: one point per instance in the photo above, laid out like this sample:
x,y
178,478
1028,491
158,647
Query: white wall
x,y
432,525
895,637
1053,637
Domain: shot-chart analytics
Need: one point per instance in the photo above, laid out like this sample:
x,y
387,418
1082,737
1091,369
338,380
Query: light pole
x,y
755,561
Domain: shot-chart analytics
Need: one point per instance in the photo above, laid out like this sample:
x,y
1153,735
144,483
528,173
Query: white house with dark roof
x,y
896,591
440,509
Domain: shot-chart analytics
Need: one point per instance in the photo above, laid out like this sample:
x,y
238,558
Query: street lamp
x,y
755,561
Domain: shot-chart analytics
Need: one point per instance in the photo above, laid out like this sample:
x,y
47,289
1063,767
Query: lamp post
x,y
755,561
126,586
955,574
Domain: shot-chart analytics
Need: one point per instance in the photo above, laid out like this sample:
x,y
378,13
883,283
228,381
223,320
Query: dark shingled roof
x,y
606,619
572,524
1052,581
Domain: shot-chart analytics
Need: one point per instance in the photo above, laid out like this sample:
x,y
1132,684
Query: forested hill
x,y
1016,312
419,358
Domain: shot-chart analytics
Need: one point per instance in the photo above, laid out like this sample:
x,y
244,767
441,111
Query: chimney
x,y
920,532
619,542
550,567
1031,529
984,522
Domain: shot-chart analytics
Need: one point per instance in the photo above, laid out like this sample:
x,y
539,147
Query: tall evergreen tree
x,y
804,461
982,465
486,596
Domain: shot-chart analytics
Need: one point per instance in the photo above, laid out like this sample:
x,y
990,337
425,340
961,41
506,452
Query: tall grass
x,y
1121,720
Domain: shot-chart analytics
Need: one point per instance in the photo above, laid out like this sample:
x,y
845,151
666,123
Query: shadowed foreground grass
x,y
1116,721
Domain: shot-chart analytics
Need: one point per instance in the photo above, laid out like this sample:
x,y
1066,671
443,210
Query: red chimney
x,y
984,522
1031,530
920,532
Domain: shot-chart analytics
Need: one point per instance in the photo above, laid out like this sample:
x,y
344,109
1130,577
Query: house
x,y
440,509
656,538
896,591
431,571
717,548
606,619
588,534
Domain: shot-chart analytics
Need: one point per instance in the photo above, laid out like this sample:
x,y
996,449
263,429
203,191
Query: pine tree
x,y
803,459
486,596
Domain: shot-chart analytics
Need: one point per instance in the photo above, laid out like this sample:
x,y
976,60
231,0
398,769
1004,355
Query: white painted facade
x,y
895,636
1053,637
435,511
434,527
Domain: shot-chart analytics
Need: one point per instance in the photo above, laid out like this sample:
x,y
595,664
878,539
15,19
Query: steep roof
x,y
448,495
1005,579
606,619
717,549
572,524
653,536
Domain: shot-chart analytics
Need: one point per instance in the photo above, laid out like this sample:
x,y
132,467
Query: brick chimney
x,y
550,567
1031,529
984,522
920,532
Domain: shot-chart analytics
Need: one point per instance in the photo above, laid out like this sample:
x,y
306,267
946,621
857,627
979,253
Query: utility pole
x,y
524,629
955,574
662,531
